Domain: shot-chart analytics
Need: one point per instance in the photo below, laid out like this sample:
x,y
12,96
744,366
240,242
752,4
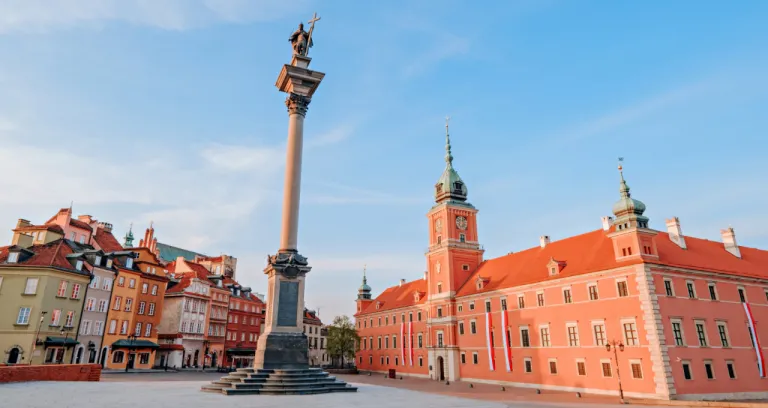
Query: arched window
x,y
118,357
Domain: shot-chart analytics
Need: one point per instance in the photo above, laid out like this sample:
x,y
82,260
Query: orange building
x,y
678,317
135,310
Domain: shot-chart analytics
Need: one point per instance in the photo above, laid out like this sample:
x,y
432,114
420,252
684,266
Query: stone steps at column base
x,y
275,385
288,391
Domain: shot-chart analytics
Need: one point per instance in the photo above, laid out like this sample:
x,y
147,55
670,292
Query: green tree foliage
x,y
342,339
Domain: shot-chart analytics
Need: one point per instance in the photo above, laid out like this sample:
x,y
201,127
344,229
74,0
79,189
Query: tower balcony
x,y
455,243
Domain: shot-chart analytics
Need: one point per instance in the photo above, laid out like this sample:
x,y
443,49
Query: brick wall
x,y
57,372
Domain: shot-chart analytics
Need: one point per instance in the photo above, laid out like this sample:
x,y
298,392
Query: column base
x,y
282,351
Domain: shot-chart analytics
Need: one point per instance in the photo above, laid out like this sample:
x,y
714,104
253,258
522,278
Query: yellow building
x,y
42,287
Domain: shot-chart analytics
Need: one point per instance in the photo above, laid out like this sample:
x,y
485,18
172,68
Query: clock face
x,y
461,223
439,225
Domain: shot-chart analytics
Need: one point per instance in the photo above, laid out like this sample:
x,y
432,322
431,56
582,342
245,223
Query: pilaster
x,y
654,329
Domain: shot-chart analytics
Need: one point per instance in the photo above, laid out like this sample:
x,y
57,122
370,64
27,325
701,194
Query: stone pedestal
x,y
283,345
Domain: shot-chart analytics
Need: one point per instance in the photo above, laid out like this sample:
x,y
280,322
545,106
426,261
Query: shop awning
x,y
241,351
61,341
134,344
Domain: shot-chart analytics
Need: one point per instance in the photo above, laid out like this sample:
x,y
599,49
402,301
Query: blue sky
x,y
167,111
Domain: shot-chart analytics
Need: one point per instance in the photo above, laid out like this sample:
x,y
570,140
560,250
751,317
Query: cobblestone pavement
x,y
150,390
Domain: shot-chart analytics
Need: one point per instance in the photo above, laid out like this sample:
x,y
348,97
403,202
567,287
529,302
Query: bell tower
x,y
363,294
632,239
454,251
453,255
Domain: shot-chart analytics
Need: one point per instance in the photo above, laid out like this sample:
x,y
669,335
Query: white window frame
x,y
610,363
33,282
671,286
693,287
473,326
13,257
712,285
24,315
733,364
679,321
690,371
631,373
475,358
624,332
543,299
594,335
549,366
575,325
597,291
562,290
582,361
711,368
703,323
541,338
529,360
520,335
626,284
743,289
723,323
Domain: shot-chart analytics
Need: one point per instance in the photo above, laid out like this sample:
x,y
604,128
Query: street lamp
x,y
64,332
37,336
616,346
131,340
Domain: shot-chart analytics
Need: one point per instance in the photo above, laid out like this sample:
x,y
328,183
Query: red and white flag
x,y
507,348
402,342
755,340
489,341
410,342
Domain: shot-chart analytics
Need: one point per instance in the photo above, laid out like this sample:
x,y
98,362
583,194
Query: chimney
x,y
675,232
22,223
607,222
729,239
24,240
85,218
107,227
544,241
402,282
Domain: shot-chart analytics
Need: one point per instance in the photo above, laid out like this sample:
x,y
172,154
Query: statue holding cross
x,y
302,40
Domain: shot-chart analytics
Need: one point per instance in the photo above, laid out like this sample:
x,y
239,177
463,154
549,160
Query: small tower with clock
x,y
454,254
454,251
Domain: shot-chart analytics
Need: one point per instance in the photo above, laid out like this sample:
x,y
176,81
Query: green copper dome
x,y
450,186
628,211
364,293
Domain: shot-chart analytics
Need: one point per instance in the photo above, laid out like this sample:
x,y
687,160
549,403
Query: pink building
x,y
684,315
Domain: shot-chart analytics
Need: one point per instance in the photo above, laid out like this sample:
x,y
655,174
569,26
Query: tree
x,y
342,339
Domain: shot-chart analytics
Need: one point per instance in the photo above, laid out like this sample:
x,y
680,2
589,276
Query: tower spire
x,y
448,155
628,211
364,293
129,237
623,187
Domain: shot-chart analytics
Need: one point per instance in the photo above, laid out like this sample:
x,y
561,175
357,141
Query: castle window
x,y
462,238
439,287
439,239
465,267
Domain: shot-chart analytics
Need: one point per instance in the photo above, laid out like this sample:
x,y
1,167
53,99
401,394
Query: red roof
x,y
106,241
579,255
399,296
47,227
80,224
51,254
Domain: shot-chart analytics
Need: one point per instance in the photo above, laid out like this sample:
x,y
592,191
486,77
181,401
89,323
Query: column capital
x,y
297,104
289,264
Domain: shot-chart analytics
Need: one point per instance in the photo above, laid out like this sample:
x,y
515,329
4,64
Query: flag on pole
x,y
755,340
489,341
507,348
410,342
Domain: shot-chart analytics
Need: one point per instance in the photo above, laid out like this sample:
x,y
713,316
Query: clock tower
x,y
454,254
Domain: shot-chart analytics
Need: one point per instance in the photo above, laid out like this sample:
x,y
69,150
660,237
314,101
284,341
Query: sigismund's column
x,y
283,344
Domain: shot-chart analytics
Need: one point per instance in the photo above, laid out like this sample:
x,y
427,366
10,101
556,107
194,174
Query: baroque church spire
x,y
628,211
450,187
364,293
129,238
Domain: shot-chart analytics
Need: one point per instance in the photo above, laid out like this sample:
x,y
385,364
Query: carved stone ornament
x,y
289,264
297,104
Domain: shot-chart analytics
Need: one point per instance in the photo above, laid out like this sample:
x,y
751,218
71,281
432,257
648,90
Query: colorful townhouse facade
x,y
317,335
246,315
43,284
135,312
678,317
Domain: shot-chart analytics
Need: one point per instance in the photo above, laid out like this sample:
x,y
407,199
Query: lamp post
x,y
616,346
131,340
37,336
64,332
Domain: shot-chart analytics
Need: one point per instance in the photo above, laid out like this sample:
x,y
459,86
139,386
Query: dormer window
x,y
109,262
82,239
79,265
416,296
554,267
378,306
438,188
457,186
129,263
480,283
13,257
97,261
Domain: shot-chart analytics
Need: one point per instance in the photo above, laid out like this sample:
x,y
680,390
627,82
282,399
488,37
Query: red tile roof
x,y
583,254
399,296
80,224
47,227
106,241
51,254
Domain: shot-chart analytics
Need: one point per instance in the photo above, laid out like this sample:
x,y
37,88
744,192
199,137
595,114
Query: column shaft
x,y
292,186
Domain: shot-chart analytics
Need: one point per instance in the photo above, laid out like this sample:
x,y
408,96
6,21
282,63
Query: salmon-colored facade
x,y
684,315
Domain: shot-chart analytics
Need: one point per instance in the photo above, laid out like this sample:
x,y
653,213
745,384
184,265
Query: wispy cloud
x,y
243,158
335,135
336,193
444,47
45,15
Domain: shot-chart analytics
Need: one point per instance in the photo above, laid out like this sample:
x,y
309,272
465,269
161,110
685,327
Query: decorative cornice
x,y
297,104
